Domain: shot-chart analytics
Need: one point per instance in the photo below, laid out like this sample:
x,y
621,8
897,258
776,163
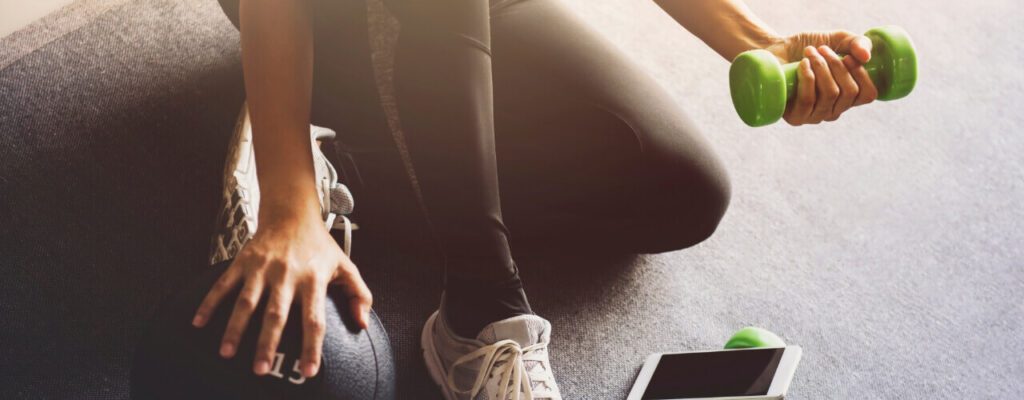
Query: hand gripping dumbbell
x,y
761,86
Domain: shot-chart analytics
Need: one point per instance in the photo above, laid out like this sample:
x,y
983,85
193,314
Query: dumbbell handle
x,y
790,72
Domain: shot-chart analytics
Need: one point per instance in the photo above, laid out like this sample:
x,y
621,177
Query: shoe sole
x,y
239,195
430,358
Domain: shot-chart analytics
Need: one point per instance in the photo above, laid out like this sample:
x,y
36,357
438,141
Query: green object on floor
x,y
751,337
761,86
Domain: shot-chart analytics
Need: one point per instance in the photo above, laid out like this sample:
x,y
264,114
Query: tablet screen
x,y
714,374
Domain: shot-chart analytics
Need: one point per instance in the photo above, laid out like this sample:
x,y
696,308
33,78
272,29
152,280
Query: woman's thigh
x,y
588,142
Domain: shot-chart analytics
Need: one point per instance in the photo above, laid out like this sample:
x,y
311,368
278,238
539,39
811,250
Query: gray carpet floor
x,y
888,245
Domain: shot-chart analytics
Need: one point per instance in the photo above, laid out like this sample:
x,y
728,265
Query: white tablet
x,y
761,373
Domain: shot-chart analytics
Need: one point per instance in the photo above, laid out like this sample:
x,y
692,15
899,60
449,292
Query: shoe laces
x,y
346,225
523,373
336,201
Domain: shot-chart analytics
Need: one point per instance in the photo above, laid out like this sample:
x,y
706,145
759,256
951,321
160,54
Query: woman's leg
x,y
444,95
592,152
443,89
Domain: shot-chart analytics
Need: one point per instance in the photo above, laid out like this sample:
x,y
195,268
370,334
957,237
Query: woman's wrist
x,y
780,48
288,191
729,27
774,44
752,33
289,207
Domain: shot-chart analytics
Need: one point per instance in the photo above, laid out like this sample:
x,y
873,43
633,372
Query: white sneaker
x,y
240,202
508,360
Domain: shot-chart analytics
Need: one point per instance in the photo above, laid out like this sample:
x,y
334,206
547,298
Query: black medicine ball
x,y
177,361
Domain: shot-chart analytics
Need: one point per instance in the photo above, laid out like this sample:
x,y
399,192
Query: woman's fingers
x,y
244,306
800,108
313,327
274,318
867,90
846,42
860,48
827,88
227,281
847,85
360,299
287,274
829,84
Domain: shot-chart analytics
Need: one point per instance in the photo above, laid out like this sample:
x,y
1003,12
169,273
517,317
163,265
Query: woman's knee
x,y
686,203
710,199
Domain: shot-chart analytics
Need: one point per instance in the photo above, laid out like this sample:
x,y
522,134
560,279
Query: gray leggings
x,y
521,96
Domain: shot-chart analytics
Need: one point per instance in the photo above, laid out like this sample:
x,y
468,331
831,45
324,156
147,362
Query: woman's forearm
x,y
727,26
277,58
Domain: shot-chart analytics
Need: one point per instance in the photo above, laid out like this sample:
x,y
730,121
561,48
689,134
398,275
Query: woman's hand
x,y
827,85
291,260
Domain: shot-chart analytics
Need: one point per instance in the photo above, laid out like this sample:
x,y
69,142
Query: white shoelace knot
x,y
507,361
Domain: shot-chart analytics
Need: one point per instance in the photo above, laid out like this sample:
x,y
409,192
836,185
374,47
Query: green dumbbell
x,y
761,86
751,337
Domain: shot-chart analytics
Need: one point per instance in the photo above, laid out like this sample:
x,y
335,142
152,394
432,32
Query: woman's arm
x,y
277,58
291,257
729,27
828,84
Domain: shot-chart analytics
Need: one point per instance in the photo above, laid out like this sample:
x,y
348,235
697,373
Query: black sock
x,y
470,306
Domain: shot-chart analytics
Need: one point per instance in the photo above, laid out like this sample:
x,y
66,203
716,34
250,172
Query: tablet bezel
x,y
778,388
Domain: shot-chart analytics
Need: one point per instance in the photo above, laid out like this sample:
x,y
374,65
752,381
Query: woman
x,y
516,95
